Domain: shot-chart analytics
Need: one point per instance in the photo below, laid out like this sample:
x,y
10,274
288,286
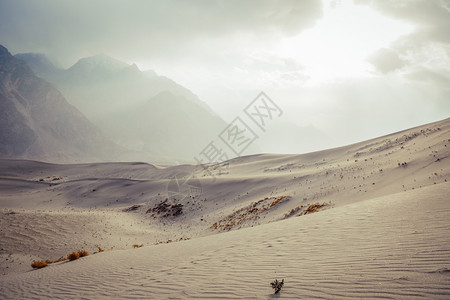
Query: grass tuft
x,y
39,264
73,256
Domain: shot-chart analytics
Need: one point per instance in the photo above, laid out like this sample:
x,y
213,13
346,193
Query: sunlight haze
x,y
329,64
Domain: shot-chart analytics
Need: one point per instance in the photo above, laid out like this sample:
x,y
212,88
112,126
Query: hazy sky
x,y
343,70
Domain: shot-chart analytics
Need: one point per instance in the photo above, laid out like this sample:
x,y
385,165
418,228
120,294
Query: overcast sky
x,y
343,70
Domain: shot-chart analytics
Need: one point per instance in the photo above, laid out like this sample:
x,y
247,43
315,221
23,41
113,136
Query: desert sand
x,y
368,220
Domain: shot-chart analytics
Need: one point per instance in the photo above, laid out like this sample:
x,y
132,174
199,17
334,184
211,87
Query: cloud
x,y
430,17
386,60
424,54
68,30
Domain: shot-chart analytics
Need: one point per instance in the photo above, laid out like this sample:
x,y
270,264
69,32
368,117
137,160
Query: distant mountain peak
x,y
9,64
134,66
131,70
3,50
99,61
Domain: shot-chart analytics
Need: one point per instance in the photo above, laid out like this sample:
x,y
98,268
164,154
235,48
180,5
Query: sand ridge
x,y
382,233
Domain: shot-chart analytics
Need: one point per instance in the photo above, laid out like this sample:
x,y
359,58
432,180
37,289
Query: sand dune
x,y
389,247
383,232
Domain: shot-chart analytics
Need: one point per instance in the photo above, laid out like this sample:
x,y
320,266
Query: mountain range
x,y
37,122
139,110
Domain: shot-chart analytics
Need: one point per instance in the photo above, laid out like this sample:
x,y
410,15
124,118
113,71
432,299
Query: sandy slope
x,y
396,246
384,232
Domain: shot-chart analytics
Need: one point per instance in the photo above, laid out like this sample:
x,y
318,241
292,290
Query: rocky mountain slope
x,y
37,122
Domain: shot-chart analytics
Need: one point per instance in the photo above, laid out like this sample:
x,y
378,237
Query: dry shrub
x,y
138,246
311,208
293,211
277,285
314,207
277,201
38,264
73,256
248,213
100,249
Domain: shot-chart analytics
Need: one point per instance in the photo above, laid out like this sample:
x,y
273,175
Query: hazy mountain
x,y
36,121
169,124
139,110
41,65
